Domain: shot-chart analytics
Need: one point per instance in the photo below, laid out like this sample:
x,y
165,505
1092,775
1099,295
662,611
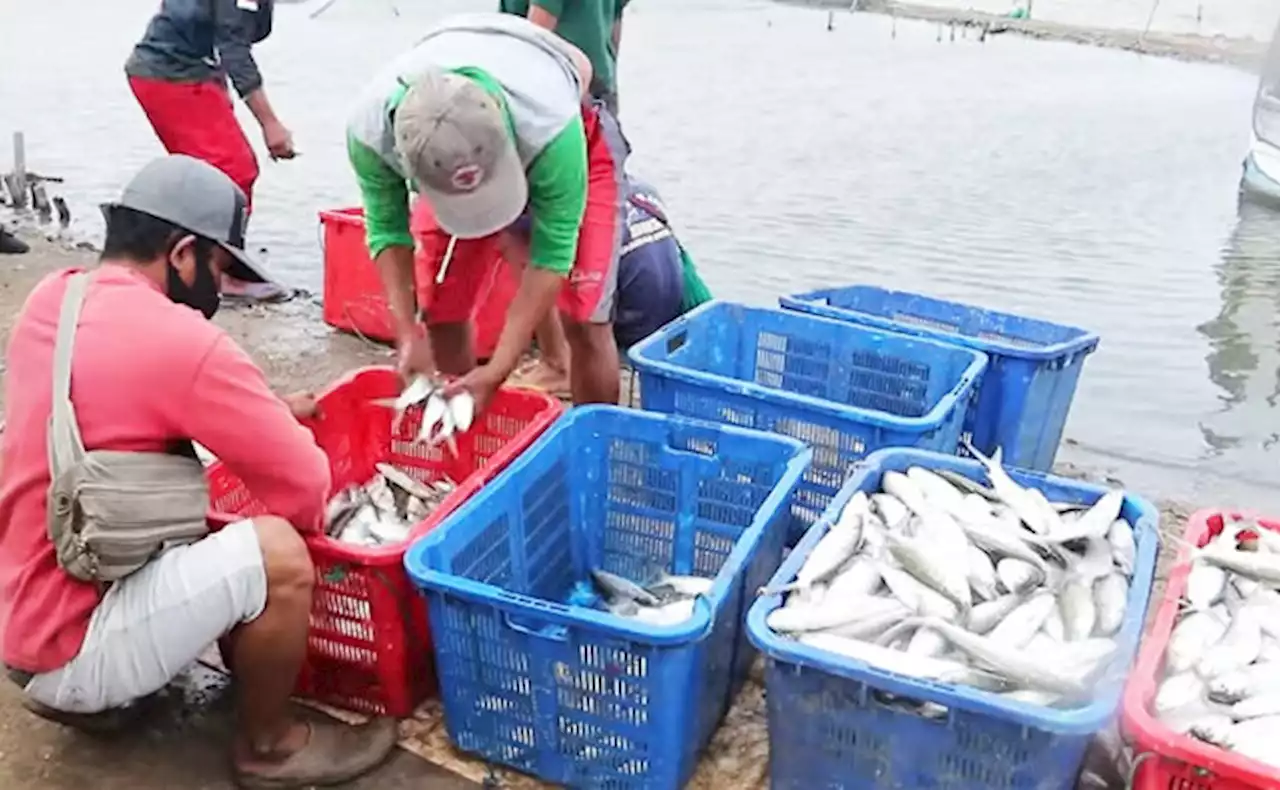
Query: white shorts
x,y
158,620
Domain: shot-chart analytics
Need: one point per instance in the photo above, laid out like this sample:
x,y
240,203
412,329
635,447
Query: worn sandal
x,y
335,753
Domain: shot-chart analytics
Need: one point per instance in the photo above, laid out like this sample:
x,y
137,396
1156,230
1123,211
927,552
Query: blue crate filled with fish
x,y
952,624
1026,394
588,605
842,389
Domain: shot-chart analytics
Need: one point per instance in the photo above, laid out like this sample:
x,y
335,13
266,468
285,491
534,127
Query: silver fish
x,y
1238,648
829,614
1109,595
891,510
1017,576
936,490
1015,496
923,667
1124,549
982,574
1205,584
927,642
1053,626
934,568
1257,707
873,625
1021,625
906,491
1078,613
916,596
1254,680
1177,691
1012,664
987,615
1095,523
1258,565
1191,638
618,588
1214,729
860,577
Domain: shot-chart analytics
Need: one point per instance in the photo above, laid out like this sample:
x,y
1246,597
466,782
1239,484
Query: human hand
x,y
482,382
279,141
414,358
303,405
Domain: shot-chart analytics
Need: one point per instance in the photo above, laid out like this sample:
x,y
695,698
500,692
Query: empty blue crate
x,y
1034,365
839,723
843,389
536,676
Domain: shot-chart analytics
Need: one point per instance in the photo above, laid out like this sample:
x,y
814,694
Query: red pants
x,y
199,120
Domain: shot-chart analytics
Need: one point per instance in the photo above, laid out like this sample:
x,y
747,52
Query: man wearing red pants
x,y
487,118
179,72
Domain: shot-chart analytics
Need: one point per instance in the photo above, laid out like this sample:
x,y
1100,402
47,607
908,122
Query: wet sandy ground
x,y
182,745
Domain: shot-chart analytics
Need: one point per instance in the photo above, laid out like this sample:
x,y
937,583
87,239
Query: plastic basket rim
x,y
1150,733
1086,342
1076,721
551,411
351,216
938,414
695,629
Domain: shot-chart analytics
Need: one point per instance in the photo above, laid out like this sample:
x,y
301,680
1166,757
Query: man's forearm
x,y
534,299
542,17
617,37
395,266
260,106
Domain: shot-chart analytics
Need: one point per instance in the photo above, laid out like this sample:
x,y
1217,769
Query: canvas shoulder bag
x,y
111,512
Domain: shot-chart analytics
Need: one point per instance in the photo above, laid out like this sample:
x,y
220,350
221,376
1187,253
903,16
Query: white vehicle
x,y
1262,165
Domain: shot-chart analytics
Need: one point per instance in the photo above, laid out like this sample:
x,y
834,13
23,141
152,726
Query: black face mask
x,y
203,293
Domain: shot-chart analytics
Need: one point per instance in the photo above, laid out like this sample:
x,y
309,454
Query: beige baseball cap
x,y
454,138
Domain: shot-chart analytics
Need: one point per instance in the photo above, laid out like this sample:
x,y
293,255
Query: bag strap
x,y
65,445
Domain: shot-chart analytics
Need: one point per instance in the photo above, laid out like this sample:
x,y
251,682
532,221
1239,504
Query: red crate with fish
x,y
353,299
1202,704
369,648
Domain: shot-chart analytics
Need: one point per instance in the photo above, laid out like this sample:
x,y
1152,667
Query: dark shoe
x,y
335,753
107,722
11,244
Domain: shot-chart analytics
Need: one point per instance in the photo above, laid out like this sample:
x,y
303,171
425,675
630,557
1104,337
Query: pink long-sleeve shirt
x,y
146,372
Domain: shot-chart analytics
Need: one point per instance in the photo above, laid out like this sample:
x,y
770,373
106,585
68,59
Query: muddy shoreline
x,y
1241,53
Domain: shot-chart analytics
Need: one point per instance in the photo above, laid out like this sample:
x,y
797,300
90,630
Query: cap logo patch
x,y
467,177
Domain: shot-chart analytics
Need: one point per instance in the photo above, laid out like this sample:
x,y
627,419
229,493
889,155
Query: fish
x,y
1256,707
1178,691
1124,549
955,588
833,550
1238,648
669,588
1205,584
1110,594
1011,663
618,588
1191,638
982,574
383,510
1015,496
932,566
1017,576
1257,565
1256,679
1096,522
987,615
1079,616
1214,729
1017,629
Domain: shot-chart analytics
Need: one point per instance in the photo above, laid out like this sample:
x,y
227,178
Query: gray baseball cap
x,y
453,137
197,197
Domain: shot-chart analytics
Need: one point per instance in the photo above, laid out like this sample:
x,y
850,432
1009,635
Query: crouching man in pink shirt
x,y
150,373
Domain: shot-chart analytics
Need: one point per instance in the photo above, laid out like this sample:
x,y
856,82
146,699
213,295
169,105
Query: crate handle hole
x,y
677,341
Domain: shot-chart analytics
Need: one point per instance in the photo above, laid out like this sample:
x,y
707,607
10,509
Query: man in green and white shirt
x,y
486,118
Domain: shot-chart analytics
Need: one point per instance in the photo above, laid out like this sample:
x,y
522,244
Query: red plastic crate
x,y
369,647
353,298
1167,760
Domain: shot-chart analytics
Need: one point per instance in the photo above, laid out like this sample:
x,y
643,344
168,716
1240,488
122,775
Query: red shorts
x,y
591,288
199,120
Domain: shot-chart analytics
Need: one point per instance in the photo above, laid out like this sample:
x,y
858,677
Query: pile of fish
x,y
1222,665
442,417
668,600
384,510
941,578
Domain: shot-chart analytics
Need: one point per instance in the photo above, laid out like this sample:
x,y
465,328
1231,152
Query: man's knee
x,y
285,557
588,336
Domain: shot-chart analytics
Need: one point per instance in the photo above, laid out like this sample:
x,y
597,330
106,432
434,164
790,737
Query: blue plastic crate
x,y
843,389
828,725
1034,367
570,693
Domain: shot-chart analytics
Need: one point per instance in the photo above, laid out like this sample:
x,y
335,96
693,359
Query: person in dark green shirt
x,y
593,26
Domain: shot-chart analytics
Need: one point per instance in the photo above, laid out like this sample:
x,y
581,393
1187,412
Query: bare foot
x,y
251,292
542,376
